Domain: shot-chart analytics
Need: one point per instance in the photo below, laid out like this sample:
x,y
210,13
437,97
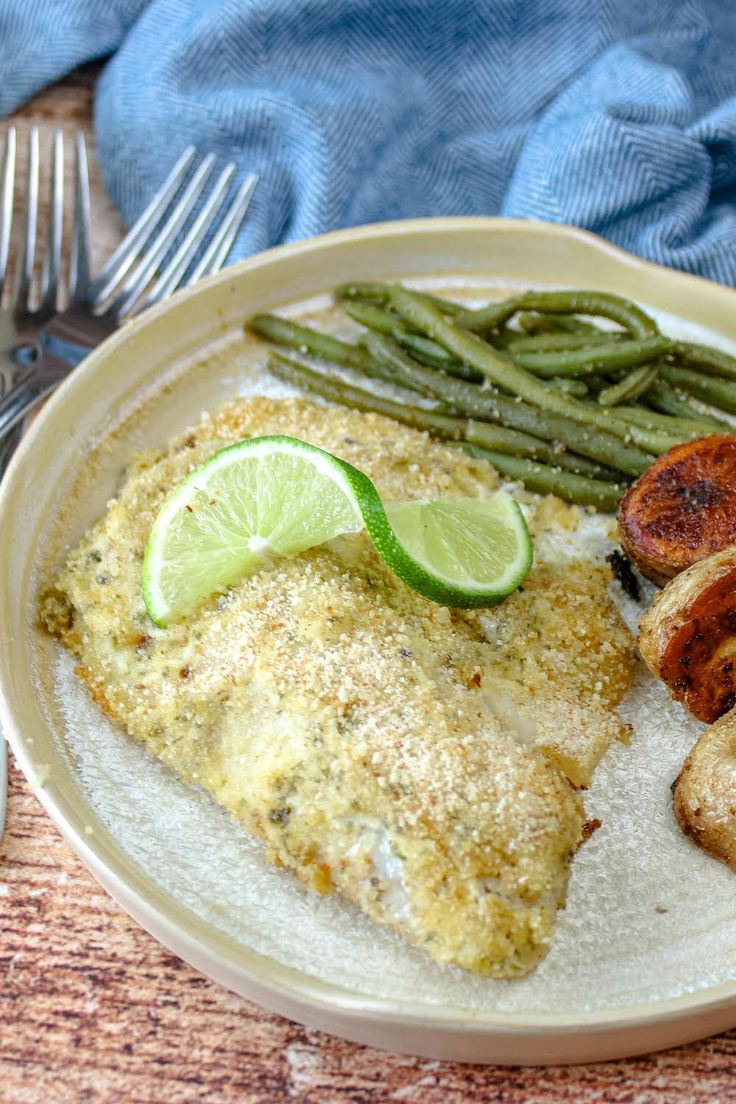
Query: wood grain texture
x,y
94,1011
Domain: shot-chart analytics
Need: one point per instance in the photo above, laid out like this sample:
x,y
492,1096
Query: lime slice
x,y
267,496
277,496
470,546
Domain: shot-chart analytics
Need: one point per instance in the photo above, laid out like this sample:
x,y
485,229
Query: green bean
x,y
491,317
684,428
654,441
633,385
502,338
665,399
340,391
306,340
477,402
439,357
378,319
548,342
509,376
574,387
512,441
533,323
426,351
487,405
709,389
548,480
608,357
423,350
381,293
482,434
596,303
714,362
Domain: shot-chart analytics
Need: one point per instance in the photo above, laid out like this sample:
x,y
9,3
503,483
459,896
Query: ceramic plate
x,y
645,954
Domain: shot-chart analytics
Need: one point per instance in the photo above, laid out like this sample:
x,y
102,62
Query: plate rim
x,y
286,984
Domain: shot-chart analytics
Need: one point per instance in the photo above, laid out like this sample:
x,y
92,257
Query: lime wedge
x,y
277,496
468,545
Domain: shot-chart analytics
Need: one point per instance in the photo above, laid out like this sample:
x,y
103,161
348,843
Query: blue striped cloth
x,y
616,115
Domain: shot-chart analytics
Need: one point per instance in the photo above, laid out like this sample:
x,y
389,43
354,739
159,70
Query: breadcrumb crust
x,y
422,761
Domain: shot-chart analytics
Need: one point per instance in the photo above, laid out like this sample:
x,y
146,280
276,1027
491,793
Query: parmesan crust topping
x,y
422,761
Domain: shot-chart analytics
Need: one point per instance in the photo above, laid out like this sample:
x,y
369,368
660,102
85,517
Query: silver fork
x,y
20,327
20,324
163,251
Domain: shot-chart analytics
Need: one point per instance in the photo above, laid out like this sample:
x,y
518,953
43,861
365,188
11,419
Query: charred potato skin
x,y
682,636
682,509
704,792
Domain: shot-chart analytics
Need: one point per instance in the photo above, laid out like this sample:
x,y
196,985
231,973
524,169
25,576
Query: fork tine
x,y
28,246
79,264
138,281
127,252
6,203
216,253
172,275
52,257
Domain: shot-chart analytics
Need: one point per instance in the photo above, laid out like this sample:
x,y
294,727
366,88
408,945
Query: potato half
x,y
688,636
705,791
682,509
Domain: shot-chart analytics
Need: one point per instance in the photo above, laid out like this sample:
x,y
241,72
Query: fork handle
x,y
54,359
22,397
17,357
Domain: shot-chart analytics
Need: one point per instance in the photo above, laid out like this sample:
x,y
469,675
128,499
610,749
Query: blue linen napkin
x,y
617,116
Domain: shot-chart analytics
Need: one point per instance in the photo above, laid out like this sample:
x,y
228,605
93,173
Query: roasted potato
x,y
682,509
688,636
705,791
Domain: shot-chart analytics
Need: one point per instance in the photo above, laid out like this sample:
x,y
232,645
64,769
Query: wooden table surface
x,y
92,1009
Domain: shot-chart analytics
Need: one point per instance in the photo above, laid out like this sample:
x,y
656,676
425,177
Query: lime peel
x,y
278,495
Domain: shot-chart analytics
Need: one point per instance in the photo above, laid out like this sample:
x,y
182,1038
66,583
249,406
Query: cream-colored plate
x,y
645,955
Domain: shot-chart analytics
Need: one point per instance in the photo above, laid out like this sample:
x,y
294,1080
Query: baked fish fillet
x,y
416,759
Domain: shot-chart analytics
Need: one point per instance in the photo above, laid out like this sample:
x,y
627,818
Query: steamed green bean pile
x,y
570,392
